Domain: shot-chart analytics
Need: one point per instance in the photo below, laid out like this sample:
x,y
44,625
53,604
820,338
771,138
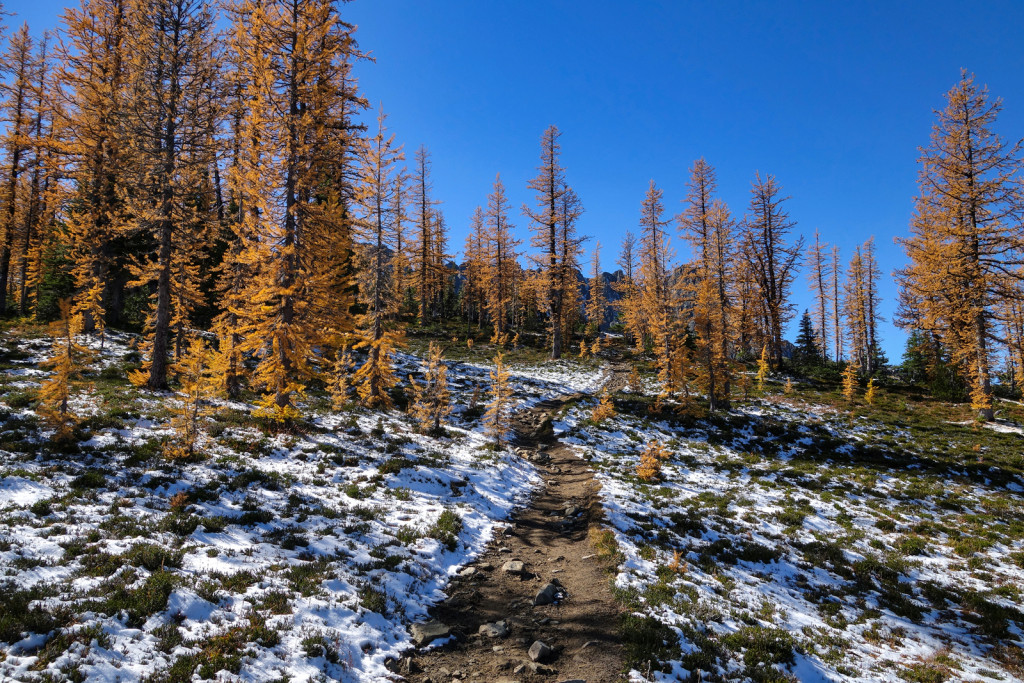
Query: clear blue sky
x,y
833,98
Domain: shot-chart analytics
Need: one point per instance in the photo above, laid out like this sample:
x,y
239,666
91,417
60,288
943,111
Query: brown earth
x,y
550,537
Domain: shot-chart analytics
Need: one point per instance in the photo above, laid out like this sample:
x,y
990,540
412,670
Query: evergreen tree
x,y
807,341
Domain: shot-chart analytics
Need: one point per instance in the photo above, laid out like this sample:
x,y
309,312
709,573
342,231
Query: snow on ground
x,y
790,540
300,555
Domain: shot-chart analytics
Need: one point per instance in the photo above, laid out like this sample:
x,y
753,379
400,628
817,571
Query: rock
x,y
519,669
541,670
467,572
551,593
516,567
486,566
574,680
589,644
498,629
426,632
571,511
539,652
409,666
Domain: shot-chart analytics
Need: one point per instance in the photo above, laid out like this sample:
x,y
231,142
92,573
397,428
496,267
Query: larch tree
x,y
705,222
376,376
432,399
655,289
499,408
597,303
67,357
549,186
424,247
19,62
774,260
860,306
476,258
628,304
837,314
296,227
400,261
819,275
170,110
502,269
38,221
90,92
570,248
965,246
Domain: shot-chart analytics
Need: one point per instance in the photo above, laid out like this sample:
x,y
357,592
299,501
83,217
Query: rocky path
x,y
537,605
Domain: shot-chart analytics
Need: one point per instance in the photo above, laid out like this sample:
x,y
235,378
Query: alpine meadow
x,y
297,387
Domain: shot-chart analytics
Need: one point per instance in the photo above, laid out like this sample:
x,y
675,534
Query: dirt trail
x,y
550,538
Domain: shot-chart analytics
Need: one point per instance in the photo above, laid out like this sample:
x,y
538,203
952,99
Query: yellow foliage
x,y
339,383
869,395
649,467
376,376
604,410
197,385
763,368
56,390
496,419
431,401
789,385
849,381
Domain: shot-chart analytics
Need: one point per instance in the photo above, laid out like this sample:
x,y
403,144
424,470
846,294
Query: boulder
x,y
498,629
426,632
539,652
551,593
517,567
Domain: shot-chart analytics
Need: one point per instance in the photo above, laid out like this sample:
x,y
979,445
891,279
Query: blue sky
x,y
832,98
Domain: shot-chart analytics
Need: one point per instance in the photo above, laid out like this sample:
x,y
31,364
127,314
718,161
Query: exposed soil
x,y
550,537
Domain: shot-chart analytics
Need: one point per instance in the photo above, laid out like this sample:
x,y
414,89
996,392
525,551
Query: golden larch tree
x,y
965,238
376,376
295,135
170,112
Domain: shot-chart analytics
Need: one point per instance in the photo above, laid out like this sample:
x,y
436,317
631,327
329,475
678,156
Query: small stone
x,y
541,670
498,629
539,652
486,566
571,511
519,669
504,550
467,572
514,567
426,632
